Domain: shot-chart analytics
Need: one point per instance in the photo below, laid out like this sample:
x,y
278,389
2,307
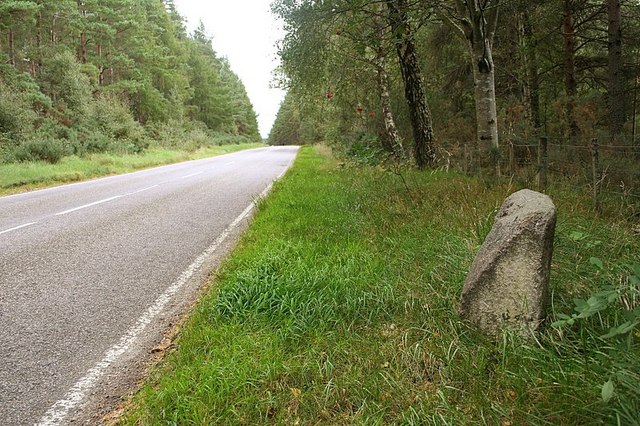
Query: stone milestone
x,y
508,280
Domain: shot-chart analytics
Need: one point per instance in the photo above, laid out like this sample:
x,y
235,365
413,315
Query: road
x,y
92,274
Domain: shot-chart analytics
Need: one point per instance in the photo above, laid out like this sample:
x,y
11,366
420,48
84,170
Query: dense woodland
x,y
445,78
84,76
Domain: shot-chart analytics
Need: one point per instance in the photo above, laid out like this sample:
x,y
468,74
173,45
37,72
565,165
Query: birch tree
x,y
380,62
475,22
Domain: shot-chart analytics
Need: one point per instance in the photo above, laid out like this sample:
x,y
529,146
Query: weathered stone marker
x,y
507,283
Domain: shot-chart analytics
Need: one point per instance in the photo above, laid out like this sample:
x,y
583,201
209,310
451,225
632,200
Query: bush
x,y
227,139
49,150
16,115
170,134
186,135
130,146
112,116
63,79
93,144
366,150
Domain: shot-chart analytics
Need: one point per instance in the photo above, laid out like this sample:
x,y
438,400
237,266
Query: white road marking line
x,y
17,227
191,175
89,205
106,200
83,387
142,190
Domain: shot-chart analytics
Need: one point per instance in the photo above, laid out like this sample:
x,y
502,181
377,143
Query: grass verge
x,y
339,307
20,177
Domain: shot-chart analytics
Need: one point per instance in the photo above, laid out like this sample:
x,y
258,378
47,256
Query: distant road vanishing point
x,y
92,273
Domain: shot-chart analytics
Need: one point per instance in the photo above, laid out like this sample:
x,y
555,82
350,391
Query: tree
x,y
16,15
380,62
286,128
475,21
615,71
338,52
423,143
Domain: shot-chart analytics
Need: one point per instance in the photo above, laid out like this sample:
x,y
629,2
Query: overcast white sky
x,y
245,32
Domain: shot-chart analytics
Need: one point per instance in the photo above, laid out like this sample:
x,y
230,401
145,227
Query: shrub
x,y
170,134
129,146
63,79
111,116
16,116
49,150
366,150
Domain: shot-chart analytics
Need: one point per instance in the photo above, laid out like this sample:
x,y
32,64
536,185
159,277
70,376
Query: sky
x,y
245,32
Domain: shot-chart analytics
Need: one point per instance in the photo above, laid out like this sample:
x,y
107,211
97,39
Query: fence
x,y
607,171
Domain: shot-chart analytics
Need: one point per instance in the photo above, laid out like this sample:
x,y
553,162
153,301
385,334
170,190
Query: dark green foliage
x,y
49,150
105,76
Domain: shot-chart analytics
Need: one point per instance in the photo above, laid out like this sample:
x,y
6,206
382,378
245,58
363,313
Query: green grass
x,y
19,177
339,307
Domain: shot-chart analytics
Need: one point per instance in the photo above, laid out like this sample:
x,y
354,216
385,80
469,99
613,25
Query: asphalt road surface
x,y
92,273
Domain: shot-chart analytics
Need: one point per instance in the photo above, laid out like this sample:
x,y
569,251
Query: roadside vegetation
x,y
20,177
339,307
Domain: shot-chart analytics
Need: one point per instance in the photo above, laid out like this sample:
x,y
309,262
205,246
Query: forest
x,y
475,84
87,76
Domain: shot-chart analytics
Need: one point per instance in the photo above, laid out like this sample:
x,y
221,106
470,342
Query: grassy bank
x,y
339,307
19,177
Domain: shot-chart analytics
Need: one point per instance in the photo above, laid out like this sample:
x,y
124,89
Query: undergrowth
x,y
339,307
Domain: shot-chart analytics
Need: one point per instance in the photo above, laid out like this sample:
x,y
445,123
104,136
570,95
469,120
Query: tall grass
x,y
339,307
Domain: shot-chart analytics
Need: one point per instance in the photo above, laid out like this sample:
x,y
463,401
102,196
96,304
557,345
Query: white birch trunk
x,y
476,24
385,100
485,98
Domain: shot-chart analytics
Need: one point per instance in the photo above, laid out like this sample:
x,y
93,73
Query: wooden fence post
x,y
512,160
543,163
465,159
595,166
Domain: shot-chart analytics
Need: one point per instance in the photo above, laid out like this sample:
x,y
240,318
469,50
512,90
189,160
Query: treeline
x,y
85,76
431,77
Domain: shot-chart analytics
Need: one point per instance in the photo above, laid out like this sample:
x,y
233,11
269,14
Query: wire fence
x,y
607,171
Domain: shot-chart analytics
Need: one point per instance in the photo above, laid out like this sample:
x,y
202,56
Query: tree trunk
x,y
485,95
391,131
82,52
423,149
53,29
83,48
533,77
616,77
39,30
476,24
571,87
11,46
634,128
101,67
387,114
